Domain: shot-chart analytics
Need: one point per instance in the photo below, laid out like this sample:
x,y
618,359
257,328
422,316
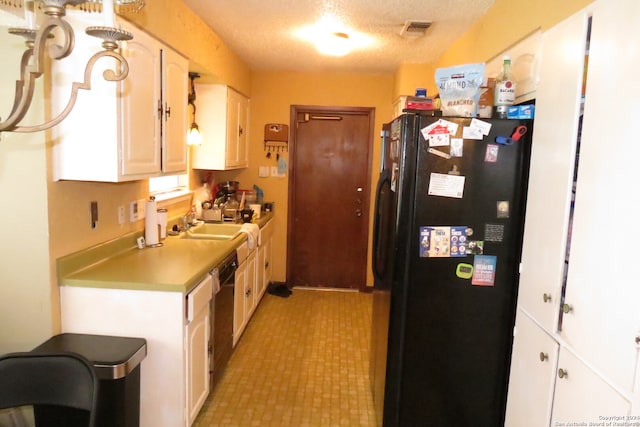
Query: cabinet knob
x,y
358,213
266,265
562,373
543,356
546,297
240,131
566,308
167,111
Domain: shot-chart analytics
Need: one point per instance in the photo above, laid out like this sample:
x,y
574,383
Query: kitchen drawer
x,y
242,251
199,297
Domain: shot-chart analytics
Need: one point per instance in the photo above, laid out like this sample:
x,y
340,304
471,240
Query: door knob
x,y
566,308
546,297
543,356
562,373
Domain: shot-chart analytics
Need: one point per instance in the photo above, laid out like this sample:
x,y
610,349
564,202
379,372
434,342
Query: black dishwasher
x,y
222,318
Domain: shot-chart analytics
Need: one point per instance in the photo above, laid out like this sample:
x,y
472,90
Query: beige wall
x,y
175,24
25,285
271,100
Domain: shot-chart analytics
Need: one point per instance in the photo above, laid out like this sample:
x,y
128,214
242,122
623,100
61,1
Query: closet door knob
x,y
562,373
546,297
543,356
566,308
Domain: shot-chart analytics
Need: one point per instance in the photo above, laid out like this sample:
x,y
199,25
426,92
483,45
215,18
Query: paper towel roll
x,y
151,235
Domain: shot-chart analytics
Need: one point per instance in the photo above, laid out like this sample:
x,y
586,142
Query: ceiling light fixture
x,y
334,44
333,38
54,28
194,137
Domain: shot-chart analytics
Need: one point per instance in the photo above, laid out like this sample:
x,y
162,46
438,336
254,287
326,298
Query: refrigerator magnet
x,y
472,133
464,271
475,247
491,154
484,270
445,185
502,209
494,232
457,145
483,126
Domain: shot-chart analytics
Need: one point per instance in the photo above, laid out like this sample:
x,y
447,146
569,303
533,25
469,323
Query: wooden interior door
x,y
329,196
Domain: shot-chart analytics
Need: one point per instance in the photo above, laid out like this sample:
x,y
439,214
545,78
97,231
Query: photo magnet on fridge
x,y
491,155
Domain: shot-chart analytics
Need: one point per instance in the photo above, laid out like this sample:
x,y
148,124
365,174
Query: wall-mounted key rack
x,y
276,138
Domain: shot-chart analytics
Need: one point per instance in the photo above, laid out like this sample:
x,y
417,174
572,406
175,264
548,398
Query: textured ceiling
x,y
264,33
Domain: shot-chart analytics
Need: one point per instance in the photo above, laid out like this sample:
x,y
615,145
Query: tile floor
x,y
302,361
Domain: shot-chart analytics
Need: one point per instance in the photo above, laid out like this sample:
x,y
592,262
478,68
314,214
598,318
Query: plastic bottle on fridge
x,y
505,91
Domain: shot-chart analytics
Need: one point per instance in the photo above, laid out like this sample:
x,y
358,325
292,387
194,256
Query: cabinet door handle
x,y
566,308
167,111
240,131
160,112
546,297
562,373
543,356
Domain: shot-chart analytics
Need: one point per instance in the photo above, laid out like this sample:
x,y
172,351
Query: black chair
x,y
61,387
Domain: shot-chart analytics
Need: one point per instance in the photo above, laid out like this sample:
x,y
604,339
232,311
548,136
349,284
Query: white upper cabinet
x,y
223,118
123,131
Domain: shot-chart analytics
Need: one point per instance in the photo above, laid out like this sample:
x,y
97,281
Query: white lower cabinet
x,y
263,262
197,347
250,287
239,301
174,376
251,280
581,396
244,295
533,367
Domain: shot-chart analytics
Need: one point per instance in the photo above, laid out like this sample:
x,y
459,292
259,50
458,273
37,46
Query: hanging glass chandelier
x,y
40,42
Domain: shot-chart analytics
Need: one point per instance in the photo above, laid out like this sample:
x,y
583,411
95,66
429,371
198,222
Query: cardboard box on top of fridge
x,y
521,112
419,103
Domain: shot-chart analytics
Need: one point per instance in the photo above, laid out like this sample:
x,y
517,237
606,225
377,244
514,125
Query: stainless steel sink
x,y
224,231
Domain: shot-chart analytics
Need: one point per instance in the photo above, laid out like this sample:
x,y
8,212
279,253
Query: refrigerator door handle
x,y
379,259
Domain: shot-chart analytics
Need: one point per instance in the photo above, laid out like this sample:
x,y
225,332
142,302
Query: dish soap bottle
x,y
505,91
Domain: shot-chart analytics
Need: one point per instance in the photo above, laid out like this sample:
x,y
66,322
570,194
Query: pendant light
x,y
193,134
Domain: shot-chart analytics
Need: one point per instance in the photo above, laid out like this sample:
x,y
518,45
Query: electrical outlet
x,y
141,208
121,215
133,211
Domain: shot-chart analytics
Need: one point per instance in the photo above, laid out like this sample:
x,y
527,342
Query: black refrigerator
x,y
448,224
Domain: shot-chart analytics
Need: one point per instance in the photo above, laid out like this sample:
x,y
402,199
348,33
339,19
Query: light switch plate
x,y
263,171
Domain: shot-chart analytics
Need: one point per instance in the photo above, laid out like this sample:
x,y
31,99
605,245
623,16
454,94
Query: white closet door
x,y
552,162
533,368
603,289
